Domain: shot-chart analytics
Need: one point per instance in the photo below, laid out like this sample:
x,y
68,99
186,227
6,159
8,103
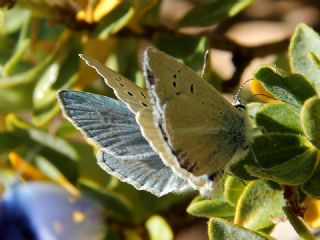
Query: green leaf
x,y
125,61
30,76
220,229
278,118
233,188
191,52
57,144
270,150
158,228
58,151
311,187
10,141
310,120
295,171
116,205
213,12
304,41
210,208
16,99
289,88
61,74
13,19
114,21
298,225
260,203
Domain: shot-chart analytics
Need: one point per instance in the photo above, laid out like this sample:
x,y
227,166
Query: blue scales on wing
x,y
123,151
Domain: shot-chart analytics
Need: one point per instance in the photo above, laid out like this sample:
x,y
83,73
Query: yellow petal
x,y
312,213
103,8
24,168
258,89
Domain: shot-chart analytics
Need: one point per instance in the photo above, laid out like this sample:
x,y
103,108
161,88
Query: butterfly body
x,y
180,126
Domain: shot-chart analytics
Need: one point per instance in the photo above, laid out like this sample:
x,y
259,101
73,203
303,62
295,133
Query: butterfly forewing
x,y
135,97
202,129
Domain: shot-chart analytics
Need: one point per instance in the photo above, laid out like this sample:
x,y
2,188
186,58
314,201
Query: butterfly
x,y
172,136
41,211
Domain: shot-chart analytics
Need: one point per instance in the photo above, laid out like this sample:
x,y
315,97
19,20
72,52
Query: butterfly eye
x,y
240,107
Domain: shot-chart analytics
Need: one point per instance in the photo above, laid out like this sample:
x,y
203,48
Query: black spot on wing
x,y
191,88
174,83
142,94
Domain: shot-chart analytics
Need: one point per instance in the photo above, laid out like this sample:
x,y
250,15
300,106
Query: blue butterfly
x,y
171,137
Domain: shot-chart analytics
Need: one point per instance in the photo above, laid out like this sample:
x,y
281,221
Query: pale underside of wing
x,y
148,174
138,101
124,152
202,129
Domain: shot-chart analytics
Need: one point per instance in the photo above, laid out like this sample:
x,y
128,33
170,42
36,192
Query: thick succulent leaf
x,y
213,12
311,187
270,150
310,120
158,228
220,229
233,188
202,207
278,118
290,88
304,41
295,171
260,203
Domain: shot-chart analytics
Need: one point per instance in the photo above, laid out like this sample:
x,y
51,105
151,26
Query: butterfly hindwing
x,y
202,129
124,152
148,174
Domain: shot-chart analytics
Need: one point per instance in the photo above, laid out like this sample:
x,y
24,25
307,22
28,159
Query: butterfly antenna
x,y
206,63
237,99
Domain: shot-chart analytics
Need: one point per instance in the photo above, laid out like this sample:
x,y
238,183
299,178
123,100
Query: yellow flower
x,y
312,214
258,89
93,11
